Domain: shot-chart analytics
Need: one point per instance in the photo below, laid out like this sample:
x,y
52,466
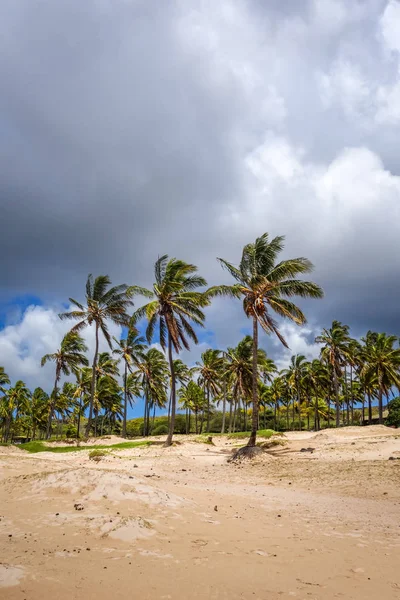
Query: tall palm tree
x,y
192,399
107,398
82,391
294,375
175,305
240,369
354,361
182,375
69,357
130,350
39,410
316,381
382,360
276,388
16,401
266,286
152,373
103,303
209,370
334,352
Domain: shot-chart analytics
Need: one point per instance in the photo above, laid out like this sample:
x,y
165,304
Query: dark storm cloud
x,y
112,141
134,128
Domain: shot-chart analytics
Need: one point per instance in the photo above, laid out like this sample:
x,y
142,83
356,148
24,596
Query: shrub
x,y
97,455
160,430
71,431
393,417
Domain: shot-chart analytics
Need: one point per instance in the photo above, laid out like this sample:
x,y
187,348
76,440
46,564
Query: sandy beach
x,y
182,522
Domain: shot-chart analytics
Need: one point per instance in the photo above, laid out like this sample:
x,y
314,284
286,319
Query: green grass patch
x,y
262,433
204,439
35,447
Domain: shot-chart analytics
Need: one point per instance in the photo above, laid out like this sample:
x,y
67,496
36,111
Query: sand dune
x,y
184,523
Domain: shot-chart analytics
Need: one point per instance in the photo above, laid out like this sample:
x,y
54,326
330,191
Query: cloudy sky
x,y
133,128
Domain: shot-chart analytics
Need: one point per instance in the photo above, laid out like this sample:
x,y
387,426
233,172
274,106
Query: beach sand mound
x,y
95,484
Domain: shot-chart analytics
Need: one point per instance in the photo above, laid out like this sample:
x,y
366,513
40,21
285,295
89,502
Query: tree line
x,y
347,372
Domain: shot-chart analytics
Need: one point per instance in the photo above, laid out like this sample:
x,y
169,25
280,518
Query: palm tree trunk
x,y
369,409
380,405
329,412
169,410
93,386
145,416
336,388
287,417
208,409
245,415
79,417
293,413
202,421
346,395
351,395
230,416
363,411
189,415
223,408
125,400
275,409
299,405
173,393
254,421
195,422
154,416
52,404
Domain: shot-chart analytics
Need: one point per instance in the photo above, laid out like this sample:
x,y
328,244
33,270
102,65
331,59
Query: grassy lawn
x,y
34,447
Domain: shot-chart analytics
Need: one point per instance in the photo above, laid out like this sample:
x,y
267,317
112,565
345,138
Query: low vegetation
x,y
34,447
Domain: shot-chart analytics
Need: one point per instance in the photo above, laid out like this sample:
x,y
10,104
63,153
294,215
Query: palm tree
x,y
130,350
316,381
294,375
103,303
107,398
39,410
240,370
382,361
82,391
67,358
182,376
14,402
265,286
175,305
334,352
4,380
276,391
152,375
192,399
210,369
353,359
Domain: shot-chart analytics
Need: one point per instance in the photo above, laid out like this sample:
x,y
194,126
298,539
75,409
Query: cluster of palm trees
x,y
347,370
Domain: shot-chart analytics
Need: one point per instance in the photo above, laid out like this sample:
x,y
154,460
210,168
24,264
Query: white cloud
x,y
390,25
300,341
39,332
